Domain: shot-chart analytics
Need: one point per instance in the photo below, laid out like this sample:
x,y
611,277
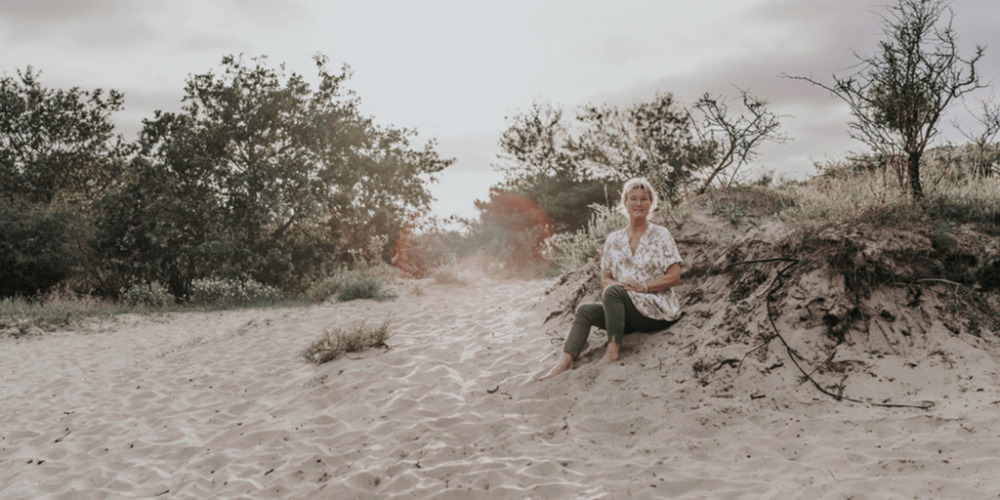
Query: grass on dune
x,y
63,309
849,192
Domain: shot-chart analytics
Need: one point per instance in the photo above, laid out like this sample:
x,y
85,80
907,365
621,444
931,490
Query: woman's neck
x,y
638,225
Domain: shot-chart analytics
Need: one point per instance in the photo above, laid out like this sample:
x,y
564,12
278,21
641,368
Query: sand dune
x,y
221,405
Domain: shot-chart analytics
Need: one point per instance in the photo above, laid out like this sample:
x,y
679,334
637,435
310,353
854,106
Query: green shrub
x,y
216,291
335,342
363,288
735,213
350,284
148,294
40,246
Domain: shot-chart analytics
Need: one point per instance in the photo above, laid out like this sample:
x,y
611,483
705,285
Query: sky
x,y
454,70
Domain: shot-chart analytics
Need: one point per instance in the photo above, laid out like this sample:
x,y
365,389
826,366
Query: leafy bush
x,y
40,246
363,288
366,283
148,294
335,342
215,291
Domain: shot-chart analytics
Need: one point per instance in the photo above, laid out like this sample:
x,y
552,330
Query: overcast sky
x,y
454,69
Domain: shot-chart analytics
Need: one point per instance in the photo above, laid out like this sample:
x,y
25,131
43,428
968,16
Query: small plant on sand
x,y
339,340
735,213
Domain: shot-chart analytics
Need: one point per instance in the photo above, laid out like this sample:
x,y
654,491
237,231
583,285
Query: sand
x,y
221,405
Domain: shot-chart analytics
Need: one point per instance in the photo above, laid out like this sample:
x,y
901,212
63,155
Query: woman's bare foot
x,y
565,361
611,354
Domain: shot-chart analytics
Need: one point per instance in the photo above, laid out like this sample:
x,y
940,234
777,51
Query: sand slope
x,y
220,405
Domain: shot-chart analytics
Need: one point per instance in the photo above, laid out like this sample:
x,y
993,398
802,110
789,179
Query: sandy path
x,y
220,405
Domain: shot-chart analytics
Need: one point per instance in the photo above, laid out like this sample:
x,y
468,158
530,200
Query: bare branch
x,y
738,137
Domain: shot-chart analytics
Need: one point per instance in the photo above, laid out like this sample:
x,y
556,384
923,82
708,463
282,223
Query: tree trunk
x,y
913,169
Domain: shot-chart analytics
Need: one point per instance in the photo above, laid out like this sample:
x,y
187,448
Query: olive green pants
x,y
617,315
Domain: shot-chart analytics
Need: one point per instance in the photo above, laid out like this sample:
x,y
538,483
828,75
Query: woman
x,y
639,269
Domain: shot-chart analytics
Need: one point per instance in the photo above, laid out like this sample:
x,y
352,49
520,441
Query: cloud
x,y
120,25
78,24
41,11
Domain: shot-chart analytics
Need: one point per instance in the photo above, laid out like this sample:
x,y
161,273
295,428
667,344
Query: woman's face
x,y
638,202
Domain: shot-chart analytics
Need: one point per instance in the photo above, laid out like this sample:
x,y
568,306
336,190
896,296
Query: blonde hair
x,y
638,183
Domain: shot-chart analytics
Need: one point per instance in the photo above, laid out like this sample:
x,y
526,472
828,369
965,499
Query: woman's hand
x,y
628,284
634,286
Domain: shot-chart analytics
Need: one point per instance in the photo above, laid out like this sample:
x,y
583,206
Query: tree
x,y
654,139
898,95
737,138
58,151
535,144
536,156
262,176
56,141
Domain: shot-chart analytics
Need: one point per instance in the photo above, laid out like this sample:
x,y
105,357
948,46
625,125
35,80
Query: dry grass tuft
x,y
335,342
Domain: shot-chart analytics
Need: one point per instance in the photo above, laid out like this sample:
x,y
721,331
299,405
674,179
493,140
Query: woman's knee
x,y
614,292
587,313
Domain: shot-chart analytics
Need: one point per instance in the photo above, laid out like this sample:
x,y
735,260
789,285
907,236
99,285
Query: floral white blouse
x,y
655,253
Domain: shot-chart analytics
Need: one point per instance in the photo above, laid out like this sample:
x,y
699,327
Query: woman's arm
x,y
607,280
669,280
